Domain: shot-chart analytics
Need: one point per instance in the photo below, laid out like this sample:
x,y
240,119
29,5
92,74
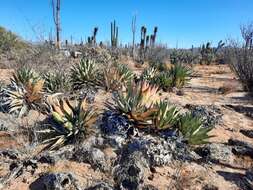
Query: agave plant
x,y
23,75
192,129
136,103
84,73
166,116
69,123
56,82
115,77
25,97
163,80
148,74
180,75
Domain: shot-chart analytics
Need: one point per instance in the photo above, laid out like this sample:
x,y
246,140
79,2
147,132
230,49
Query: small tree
x,y
56,17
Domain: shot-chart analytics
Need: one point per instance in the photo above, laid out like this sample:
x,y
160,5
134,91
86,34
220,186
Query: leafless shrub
x,y
240,60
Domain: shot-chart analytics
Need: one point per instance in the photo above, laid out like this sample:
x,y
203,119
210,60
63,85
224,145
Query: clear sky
x,y
180,22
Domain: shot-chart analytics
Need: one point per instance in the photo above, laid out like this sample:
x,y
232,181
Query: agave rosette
x,y
69,122
136,103
24,95
192,129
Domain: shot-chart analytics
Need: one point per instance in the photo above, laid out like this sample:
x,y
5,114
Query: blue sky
x,y
180,22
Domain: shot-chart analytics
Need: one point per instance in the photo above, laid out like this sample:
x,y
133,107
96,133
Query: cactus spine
x,y
114,34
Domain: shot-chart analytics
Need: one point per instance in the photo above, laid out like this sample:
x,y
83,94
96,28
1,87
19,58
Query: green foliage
x,y
9,41
193,131
164,80
56,82
209,54
180,75
166,116
70,123
177,76
84,73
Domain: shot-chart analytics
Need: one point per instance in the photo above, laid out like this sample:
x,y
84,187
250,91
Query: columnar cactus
x,y
114,34
143,36
153,37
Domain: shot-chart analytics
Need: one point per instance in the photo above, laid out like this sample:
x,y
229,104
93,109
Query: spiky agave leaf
x,y
180,75
135,103
125,72
166,116
23,75
192,129
25,97
70,122
55,82
84,73
164,80
148,74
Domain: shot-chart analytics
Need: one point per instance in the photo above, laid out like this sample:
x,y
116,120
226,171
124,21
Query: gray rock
x,y
129,172
215,152
8,122
210,114
101,186
94,156
55,181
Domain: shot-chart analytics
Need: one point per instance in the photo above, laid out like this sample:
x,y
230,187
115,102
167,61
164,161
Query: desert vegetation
x,y
166,116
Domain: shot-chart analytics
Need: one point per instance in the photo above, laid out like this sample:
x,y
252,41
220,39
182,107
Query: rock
x,y
55,181
101,186
94,156
211,114
247,133
129,172
65,152
115,127
215,152
241,148
8,122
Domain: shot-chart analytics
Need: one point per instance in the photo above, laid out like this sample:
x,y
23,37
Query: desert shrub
x,y
241,62
185,56
10,41
148,74
209,54
192,130
69,123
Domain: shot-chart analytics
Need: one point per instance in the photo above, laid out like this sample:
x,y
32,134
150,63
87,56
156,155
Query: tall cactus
x,y
143,36
92,39
153,37
114,34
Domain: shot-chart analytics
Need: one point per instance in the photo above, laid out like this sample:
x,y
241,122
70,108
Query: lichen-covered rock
x,y
101,186
115,128
56,181
94,156
129,172
215,152
210,114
